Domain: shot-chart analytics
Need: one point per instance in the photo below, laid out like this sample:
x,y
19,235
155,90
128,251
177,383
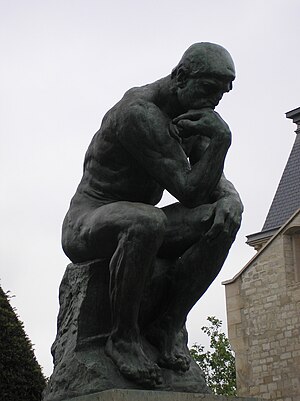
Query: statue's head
x,y
203,75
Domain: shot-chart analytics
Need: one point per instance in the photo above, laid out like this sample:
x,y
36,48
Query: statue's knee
x,y
150,225
159,221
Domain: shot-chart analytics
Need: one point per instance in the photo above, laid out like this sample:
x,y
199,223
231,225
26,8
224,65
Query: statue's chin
x,y
189,104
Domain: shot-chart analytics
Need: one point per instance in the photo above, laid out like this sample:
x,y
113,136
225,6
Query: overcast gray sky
x,y
65,63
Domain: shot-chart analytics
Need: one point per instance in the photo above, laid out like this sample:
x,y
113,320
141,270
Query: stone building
x,y
263,299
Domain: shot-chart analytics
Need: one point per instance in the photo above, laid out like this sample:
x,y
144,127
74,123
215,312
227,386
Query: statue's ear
x,y
180,74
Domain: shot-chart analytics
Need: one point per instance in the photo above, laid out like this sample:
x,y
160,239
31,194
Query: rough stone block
x,y
81,365
144,395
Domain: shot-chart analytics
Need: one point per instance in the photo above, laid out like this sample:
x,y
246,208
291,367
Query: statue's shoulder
x,y
140,102
136,106
137,95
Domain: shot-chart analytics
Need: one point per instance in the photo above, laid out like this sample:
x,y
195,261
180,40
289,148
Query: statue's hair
x,y
205,58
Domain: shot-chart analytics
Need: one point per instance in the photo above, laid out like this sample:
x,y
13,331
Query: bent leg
x,y
194,273
198,263
129,235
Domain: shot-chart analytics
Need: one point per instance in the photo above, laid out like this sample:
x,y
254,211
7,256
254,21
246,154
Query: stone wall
x,y
263,308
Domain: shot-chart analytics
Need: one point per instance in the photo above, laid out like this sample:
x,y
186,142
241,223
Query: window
x,y
292,254
296,254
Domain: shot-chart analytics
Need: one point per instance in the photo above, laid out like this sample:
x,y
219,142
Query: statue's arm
x,y
144,132
225,189
228,209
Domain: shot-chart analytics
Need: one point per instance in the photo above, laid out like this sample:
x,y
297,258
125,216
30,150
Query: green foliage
x,y
218,363
20,374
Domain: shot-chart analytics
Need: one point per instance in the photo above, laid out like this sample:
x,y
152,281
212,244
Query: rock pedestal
x,y
81,367
140,395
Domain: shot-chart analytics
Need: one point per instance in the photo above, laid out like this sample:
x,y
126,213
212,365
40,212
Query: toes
x,y
155,374
184,363
133,363
149,377
126,370
175,362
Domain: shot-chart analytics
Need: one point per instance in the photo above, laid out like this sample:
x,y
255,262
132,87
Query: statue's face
x,y
203,91
203,75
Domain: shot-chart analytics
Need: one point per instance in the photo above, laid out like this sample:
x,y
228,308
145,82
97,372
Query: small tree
x,y
217,363
21,377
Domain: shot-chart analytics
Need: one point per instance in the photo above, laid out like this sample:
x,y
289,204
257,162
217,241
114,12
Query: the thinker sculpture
x,y
161,136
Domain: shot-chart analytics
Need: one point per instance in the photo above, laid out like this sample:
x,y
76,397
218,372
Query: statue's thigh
x,y
103,227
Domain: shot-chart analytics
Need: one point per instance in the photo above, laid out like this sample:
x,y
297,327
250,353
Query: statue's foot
x,y
175,361
174,353
133,363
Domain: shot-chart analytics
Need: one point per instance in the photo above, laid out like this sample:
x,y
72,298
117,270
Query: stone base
x,y
81,366
144,395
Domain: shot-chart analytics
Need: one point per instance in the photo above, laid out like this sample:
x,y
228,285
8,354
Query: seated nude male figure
x,y
161,136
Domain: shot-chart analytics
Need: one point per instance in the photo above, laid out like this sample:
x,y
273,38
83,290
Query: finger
x,y
191,115
182,117
214,231
186,124
234,226
174,130
228,226
218,225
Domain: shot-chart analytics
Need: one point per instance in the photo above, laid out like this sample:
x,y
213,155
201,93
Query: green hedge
x,y
21,377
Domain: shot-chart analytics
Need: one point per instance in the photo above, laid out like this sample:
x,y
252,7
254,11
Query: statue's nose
x,y
228,87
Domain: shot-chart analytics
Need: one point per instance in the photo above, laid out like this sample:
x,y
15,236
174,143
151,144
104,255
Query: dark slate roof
x,y
287,198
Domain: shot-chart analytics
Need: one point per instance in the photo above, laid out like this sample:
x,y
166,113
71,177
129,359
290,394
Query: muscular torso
x,y
113,173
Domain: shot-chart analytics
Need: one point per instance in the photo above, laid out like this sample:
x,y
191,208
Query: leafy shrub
x,y
21,378
217,363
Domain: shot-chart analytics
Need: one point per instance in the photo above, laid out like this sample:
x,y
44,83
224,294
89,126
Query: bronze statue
x,y
161,136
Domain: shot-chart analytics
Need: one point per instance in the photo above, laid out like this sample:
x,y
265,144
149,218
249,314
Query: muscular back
x,y
111,172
